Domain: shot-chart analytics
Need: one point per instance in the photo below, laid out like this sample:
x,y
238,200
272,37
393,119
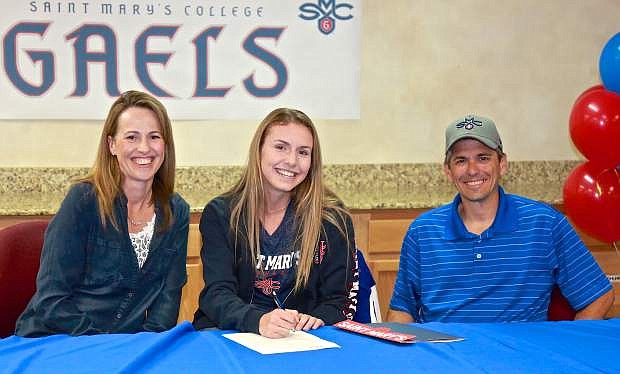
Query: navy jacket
x,y
89,281
330,294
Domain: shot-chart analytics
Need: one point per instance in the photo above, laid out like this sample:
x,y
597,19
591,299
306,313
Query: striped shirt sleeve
x,y
407,280
579,277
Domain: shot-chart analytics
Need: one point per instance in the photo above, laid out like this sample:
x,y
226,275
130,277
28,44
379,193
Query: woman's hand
x,y
278,323
307,322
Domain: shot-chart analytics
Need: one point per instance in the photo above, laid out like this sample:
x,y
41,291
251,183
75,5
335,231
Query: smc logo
x,y
327,12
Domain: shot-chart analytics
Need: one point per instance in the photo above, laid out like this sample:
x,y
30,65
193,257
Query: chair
x,y
559,308
195,281
20,251
367,298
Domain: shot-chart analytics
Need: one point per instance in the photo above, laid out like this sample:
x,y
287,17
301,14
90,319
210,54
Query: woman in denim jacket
x,y
113,259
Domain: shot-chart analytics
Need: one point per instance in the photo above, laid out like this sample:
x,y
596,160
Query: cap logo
x,y
468,123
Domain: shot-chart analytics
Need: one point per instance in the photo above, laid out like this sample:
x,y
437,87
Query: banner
x,y
203,59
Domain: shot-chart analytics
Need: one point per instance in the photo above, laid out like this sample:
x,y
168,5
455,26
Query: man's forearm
x,y
598,308
398,316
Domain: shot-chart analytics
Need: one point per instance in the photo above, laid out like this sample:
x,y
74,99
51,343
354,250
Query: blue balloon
x,y
609,64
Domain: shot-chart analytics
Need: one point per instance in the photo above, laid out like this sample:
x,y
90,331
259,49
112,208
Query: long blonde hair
x,y
105,175
312,201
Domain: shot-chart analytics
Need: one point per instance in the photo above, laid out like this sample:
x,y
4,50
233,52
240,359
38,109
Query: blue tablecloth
x,y
536,347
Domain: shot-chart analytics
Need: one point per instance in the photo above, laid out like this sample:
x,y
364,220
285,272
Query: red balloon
x,y
593,88
592,201
595,126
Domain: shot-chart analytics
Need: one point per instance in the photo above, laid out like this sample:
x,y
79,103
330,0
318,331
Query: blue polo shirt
x,y
448,274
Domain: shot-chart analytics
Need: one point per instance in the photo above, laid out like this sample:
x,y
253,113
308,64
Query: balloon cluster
x,y
592,190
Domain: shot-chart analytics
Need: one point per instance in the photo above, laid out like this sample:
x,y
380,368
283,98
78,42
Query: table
x,y
534,347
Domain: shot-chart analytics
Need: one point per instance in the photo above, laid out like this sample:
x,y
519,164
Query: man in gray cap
x,y
490,256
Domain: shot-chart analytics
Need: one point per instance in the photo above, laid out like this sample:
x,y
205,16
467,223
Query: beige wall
x,y
424,62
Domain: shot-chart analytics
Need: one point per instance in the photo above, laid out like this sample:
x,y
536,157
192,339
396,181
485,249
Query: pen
x,y
278,303
275,300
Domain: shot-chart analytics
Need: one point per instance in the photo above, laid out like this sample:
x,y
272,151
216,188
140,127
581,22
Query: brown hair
x,y
105,174
312,201
449,152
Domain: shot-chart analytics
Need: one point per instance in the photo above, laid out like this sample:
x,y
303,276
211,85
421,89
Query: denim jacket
x,y
89,281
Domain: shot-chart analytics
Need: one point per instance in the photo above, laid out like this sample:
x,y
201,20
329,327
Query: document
x,y
421,334
297,341
397,332
376,332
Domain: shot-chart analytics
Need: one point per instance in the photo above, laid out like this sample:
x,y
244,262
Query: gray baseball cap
x,y
474,127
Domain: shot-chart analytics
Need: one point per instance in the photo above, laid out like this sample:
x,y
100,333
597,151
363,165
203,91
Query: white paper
x,y
297,341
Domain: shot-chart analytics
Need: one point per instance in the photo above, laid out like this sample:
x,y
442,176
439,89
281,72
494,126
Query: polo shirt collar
x,y
506,219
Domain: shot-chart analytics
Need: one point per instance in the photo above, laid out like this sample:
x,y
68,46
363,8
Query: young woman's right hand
x,y
278,323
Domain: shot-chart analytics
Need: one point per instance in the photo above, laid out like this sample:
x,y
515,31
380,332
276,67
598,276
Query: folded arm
x,y
163,313
339,275
62,267
220,300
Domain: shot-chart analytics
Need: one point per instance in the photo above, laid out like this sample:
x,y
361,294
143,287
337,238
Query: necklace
x,y
276,210
138,223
